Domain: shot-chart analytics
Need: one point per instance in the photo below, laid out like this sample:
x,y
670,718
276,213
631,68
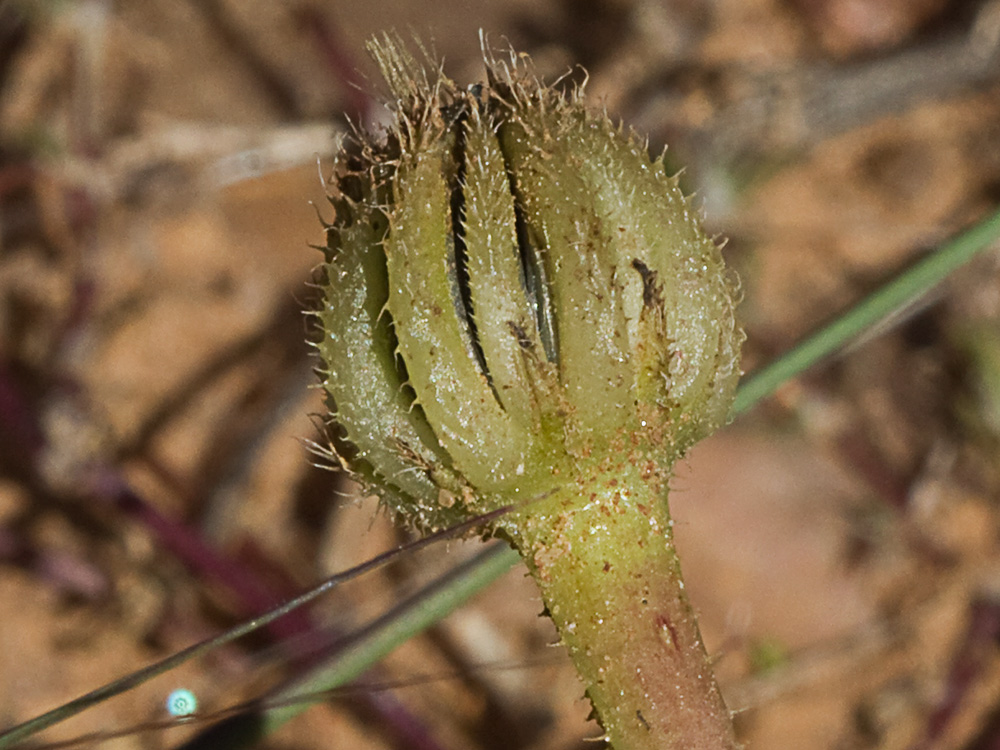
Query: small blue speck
x,y
182,702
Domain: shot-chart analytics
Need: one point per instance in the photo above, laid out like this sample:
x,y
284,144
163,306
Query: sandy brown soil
x,y
157,161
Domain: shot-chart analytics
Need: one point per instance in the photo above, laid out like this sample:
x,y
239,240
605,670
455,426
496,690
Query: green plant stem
x,y
601,549
878,306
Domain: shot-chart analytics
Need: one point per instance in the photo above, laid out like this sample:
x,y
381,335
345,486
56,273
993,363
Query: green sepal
x,y
431,324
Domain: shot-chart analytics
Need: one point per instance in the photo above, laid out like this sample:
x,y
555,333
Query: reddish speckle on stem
x,y
665,627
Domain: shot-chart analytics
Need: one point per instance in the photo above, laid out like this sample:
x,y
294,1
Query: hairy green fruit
x,y
521,308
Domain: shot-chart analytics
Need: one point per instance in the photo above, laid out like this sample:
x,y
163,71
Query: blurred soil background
x,y
157,163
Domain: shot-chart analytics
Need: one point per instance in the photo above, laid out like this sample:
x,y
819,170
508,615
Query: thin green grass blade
x,y
404,621
904,290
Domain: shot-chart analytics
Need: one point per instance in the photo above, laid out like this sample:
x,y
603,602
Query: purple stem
x,y
981,638
342,66
189,547
20,435
70,574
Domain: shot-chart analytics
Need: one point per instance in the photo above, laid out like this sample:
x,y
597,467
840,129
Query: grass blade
x,y
16,734
422,610
905,289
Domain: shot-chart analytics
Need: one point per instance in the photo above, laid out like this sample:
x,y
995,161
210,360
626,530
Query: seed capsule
x,y
513,286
